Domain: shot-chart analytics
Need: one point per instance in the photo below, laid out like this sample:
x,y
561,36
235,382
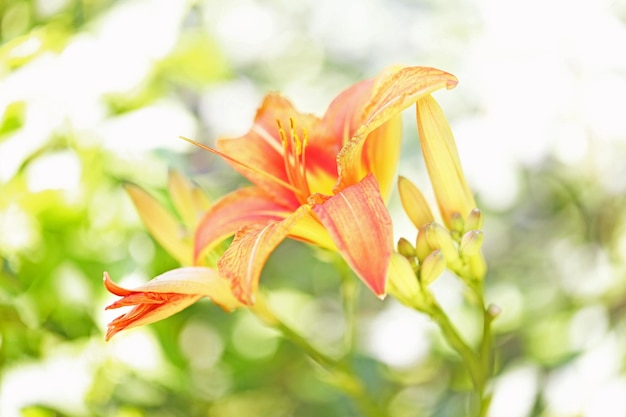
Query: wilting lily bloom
x,y
166,295
442,162
319,180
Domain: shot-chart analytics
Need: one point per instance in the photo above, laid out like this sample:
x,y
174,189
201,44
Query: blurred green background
x,y
94,93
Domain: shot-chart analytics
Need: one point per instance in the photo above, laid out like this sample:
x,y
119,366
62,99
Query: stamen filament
x,y
286,157
294,149
305,141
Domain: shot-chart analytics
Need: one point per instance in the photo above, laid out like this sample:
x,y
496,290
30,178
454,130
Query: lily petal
x,y
182,192
167,294
345,114
244,259
309,229
261,149
245,206
161,224
394,92
442,161
359,224
381,153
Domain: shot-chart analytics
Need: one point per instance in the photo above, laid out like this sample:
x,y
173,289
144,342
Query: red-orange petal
x,y
345,114
394,91
146,313
261,149
245,206
167,294
244,259
359,224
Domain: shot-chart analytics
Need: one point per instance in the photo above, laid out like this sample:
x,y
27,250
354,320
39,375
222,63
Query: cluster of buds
x,y
455,242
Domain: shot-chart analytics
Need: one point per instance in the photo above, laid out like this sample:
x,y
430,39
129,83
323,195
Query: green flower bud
x,y
456,223
493,311
422,248
475,220
471,242
432,267
405,248
478,266
414,203
402,283
439,238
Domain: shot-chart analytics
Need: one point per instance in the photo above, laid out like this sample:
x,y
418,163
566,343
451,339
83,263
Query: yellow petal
x,y
309,229
161,224
443,162
181,193
381,153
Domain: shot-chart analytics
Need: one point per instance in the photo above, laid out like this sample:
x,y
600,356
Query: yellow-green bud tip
x,y
432,267
405,248
474,220
402,282
438,237
414,203
471,242
422,248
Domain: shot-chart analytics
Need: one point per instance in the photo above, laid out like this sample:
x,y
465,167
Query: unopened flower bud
x,y
442,161
439,238
422,248
414,203
432,267
402,282
405,248
493,311
456,223
478,266
474,220
471,242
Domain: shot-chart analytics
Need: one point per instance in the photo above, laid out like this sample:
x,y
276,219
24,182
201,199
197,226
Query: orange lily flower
x,y
166,295
319,180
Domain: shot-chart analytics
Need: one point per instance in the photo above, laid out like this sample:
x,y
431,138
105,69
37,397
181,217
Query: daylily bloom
x,y
166,295
319,180
454,196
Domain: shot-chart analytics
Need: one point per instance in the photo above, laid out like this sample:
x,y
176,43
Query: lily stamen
x,y
294,158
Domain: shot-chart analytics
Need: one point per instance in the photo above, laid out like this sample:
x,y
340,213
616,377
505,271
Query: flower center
x,y
294,158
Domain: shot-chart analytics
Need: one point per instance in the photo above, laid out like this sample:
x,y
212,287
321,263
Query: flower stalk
x,y
339,371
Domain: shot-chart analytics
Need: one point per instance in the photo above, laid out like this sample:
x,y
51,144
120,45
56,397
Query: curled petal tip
x,y
111,331
112,287
451,83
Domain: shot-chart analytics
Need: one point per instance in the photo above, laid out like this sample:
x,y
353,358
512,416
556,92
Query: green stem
x,y
340,371
454,339
478,363
486,356
349,296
